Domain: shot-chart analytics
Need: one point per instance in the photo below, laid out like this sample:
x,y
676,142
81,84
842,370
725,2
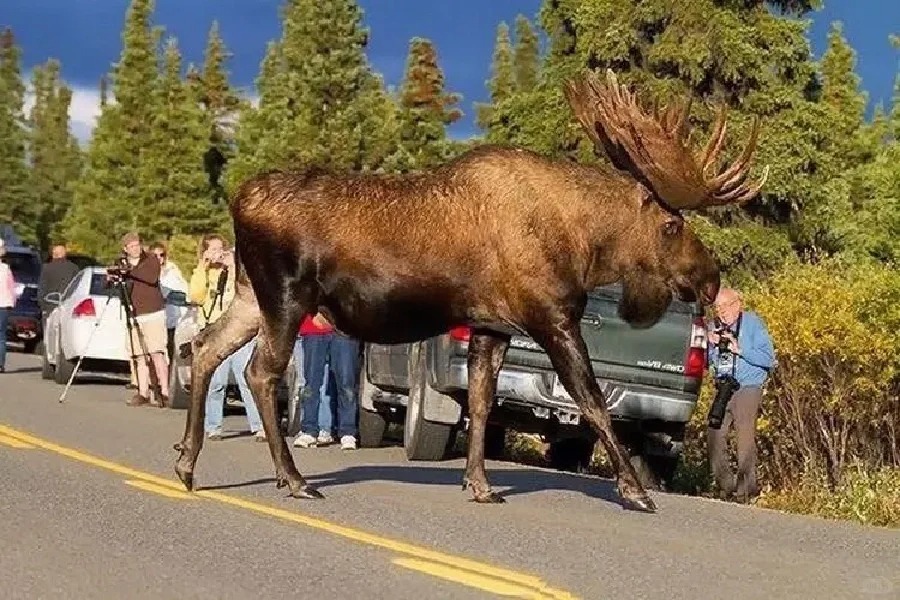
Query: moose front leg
x,y
486,352
571,360
265,369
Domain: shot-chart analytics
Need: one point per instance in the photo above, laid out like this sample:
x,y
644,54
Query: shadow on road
x,y
516,481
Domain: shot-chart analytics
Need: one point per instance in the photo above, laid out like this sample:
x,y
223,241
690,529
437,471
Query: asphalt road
x,y
90,508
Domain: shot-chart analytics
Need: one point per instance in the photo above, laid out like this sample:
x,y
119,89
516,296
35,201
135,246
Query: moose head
x,y
660,254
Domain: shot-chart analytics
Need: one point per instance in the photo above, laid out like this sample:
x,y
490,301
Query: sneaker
x,y
260,435
214,435
348,442
324,438
304,440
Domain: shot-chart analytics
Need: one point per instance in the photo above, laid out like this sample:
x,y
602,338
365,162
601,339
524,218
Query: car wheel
x,y
47,368
31,346
179,395
64,368
422,439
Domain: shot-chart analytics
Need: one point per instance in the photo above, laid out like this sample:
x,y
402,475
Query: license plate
x,y
558,390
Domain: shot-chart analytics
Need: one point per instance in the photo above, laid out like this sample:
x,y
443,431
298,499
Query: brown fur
x,y
498,239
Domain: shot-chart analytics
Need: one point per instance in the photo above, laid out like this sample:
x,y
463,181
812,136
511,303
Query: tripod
x,y
131,324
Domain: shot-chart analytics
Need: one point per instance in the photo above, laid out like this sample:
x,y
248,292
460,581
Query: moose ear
x,y
642,196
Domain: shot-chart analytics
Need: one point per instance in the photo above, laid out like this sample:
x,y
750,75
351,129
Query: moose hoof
x,y
639,504
307,492
186,477
489,497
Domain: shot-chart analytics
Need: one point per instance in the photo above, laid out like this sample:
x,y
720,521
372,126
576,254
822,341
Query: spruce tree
x,y
502,83
53,151
108,196
15,199
171,172
526,58
221,105
426,109
316,95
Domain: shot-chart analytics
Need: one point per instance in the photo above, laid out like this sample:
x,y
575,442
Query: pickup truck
x,y
651,378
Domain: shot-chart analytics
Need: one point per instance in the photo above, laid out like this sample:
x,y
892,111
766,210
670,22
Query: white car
x,y
88,322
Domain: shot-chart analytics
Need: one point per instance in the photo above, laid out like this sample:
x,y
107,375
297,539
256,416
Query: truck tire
x,y
423,440
494,442
179,395
63,369
571,454
372,426
655,472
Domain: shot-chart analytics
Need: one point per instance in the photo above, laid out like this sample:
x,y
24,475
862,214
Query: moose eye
x,y
672,227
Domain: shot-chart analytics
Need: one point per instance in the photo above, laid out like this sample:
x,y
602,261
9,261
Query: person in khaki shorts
x,y
148,338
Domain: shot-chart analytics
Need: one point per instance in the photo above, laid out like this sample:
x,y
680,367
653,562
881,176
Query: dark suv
x,y
25,319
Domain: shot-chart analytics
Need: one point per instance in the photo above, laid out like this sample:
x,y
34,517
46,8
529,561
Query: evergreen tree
x,y
53,151
108,196
425,109
526,59
316,98
221,104
502,83
171,172
15,199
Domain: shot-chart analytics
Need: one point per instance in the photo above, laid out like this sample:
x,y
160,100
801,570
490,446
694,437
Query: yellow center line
x,y
502,581
160,489
14,443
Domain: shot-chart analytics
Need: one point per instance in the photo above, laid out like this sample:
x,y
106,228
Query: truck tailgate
x,y
654,356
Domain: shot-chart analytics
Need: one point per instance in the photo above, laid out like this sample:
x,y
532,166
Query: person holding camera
x,y
212,287
741,355
148,337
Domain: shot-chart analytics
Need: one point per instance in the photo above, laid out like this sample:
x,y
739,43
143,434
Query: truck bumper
x,y
544,396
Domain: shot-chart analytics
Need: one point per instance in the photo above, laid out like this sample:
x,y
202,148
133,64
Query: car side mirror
x,y
53,298
176,298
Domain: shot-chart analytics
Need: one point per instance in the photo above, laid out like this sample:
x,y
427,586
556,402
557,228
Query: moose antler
x,y
654,147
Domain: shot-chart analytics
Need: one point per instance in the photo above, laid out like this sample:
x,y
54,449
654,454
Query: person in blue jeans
x,y
323,345
215,397
327,395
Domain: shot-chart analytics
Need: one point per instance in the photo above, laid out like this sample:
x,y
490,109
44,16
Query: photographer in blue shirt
x,y
740,355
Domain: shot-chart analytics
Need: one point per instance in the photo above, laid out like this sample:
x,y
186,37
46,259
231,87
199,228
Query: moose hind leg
x,y
571,360
266,367
486,352
210,347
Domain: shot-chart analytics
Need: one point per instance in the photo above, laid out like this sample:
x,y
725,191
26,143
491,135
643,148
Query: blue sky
x,y
85,36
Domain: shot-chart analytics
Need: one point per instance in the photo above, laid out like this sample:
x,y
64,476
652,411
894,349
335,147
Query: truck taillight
x,y
695,361
85,308
461,333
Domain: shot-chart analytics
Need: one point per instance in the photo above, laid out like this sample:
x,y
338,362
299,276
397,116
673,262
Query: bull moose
x,y
500,239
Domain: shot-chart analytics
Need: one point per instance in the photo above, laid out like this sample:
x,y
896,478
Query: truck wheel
x,y
423,440
179,396
494,442
571,454
372,426
47,369
655,472
63,369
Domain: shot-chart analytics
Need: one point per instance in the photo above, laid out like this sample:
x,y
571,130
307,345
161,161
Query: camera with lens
x,y
116,272
726,386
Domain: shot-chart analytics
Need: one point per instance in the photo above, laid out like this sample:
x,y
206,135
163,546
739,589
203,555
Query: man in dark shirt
x,y
55,276
148,340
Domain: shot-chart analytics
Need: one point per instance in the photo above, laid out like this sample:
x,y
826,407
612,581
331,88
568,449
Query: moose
x,y
499,239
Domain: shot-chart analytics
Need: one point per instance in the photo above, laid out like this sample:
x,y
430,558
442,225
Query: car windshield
x,y
25,266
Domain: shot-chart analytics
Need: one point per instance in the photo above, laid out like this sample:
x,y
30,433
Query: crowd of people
x,y
319,351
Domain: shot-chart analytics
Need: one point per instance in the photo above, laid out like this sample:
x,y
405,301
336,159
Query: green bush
x,y
830,419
